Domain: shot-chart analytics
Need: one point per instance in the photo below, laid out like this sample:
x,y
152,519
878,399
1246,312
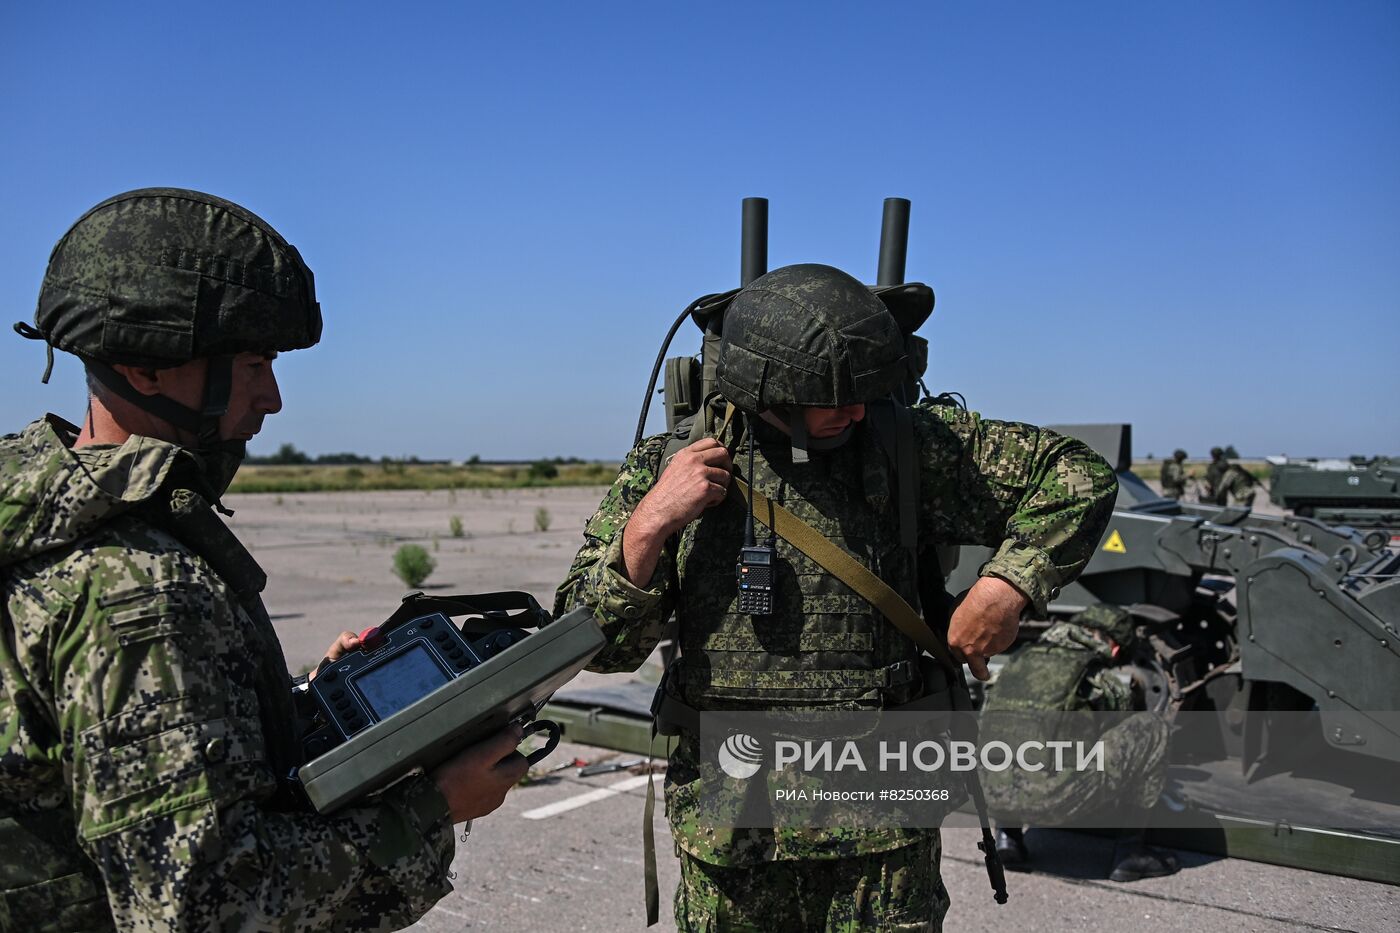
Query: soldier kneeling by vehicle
x,y
1070,670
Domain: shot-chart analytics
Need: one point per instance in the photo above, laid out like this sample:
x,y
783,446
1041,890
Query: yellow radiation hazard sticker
x,y
1115,543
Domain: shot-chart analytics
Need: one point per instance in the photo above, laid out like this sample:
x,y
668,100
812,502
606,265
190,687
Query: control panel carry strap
x,y
517,607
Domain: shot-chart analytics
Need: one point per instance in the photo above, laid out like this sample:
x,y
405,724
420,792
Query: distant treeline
x,y
289,455
341,477
291,470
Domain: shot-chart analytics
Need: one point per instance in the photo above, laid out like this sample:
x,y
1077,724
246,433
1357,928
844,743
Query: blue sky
x,y
1185,215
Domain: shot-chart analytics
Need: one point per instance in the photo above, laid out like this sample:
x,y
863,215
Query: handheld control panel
x,y
420,687
393,669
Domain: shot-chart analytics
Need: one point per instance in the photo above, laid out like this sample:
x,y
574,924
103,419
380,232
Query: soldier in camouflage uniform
x,y
1225,480
145,700
1213,492
805,350
1070,668
1174,476
1237,484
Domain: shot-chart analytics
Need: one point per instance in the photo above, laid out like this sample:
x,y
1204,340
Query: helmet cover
x,y
161,276
809,335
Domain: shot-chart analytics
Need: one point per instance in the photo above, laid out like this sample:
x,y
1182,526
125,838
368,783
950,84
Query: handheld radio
x,y
757,562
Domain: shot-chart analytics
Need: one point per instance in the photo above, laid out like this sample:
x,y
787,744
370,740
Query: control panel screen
x,y
407,677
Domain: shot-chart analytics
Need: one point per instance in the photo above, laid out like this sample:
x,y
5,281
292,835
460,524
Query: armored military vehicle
x,y
1242,605
1361,492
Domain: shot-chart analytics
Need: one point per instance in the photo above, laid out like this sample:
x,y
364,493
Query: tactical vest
x,y
824,645
47,882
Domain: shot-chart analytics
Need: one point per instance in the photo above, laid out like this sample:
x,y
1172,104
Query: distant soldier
x,y
1239,484
1174,476
1215,473
1070,669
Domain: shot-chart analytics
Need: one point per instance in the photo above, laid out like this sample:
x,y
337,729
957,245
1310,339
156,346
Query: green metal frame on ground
x,y
1353,855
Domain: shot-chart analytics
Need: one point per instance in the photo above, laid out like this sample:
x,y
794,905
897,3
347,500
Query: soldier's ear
x,y
143,379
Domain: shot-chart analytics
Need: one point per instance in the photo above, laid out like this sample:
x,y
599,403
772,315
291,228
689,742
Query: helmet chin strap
x,y
803,442
220,457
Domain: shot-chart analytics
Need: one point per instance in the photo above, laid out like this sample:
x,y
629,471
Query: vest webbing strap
x,y
845,568
672,716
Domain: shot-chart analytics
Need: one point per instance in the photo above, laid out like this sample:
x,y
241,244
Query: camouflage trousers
x,y
899,890
1174,492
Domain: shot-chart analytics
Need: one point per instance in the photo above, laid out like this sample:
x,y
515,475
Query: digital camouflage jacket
x,y
1041,499
1079,656
147,720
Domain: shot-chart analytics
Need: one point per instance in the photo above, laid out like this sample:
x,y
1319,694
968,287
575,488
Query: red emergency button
x,y
370,639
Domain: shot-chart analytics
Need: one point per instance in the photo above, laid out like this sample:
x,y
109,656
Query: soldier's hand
x,y
696,478
985,623
344,643
475,780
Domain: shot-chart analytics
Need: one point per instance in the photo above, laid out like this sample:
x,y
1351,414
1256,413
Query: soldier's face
x,y
829,422
253,393
252,397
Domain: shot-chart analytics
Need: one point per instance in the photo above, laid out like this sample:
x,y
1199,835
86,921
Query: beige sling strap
x,y
845,568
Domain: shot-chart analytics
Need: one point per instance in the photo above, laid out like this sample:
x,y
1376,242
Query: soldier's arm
x,y
1041,499
1105,692
172,781
632,614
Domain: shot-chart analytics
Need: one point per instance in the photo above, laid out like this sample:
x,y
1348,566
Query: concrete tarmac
x,y
328,557
581,869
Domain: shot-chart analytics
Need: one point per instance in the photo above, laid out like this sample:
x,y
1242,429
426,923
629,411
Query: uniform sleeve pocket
x,y
151,610
185,766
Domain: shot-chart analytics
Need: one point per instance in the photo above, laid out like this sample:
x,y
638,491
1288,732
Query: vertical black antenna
x,y
753,260
894,242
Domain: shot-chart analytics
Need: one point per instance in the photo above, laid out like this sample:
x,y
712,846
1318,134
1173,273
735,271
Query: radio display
x,y
407,677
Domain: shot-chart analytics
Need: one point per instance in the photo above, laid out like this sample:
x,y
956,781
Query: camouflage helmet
x,y
1178,454
809,335
161,276
1114,621
1216,453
